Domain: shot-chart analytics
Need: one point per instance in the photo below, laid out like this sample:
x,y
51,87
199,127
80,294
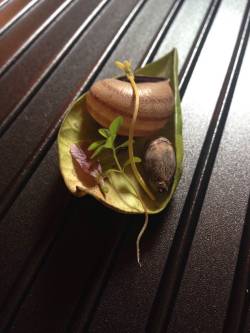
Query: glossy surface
x,y
27,30
155,98
219,231
12,11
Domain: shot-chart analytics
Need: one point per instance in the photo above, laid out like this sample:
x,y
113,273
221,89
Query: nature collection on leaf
x,y
121,141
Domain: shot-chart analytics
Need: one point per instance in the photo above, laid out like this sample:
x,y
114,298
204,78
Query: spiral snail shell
x,y
110,98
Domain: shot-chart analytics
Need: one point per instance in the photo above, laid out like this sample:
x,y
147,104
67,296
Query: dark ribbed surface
x,y
175,264
67,30
44,104
20,37
69,265
13,11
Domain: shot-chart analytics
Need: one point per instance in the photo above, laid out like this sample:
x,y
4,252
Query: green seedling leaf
x,y
79,126
115,125
128,162
98,151
95,145
123,145
109,142
104,132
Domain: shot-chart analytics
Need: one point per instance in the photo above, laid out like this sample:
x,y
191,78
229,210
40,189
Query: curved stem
x,y
145,224
144,227
130,140
117,161
126,68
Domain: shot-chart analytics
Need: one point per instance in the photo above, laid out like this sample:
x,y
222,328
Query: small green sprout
x,y
110,135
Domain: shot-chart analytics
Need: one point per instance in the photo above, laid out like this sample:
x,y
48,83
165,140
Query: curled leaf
x,y
119,196
104,132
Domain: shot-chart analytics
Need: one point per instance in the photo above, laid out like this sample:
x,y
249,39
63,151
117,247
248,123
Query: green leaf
x,y
123,145
104,132
98,151
128,162
79,126
115,125
109,142
95,145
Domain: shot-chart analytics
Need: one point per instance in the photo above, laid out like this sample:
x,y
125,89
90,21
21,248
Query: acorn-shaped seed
x,y
110,98
159,164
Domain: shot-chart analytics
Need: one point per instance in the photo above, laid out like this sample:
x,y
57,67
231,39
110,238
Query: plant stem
x,y
126,68
145,224
116,160
144,227
130,140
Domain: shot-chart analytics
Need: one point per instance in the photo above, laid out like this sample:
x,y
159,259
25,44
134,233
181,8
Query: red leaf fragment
x,y
83,164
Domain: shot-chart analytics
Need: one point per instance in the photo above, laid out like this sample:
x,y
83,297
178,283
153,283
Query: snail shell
x,y
160,164
110,98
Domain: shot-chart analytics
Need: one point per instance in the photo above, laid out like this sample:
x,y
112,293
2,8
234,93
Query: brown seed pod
x,y
110,98
159,163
